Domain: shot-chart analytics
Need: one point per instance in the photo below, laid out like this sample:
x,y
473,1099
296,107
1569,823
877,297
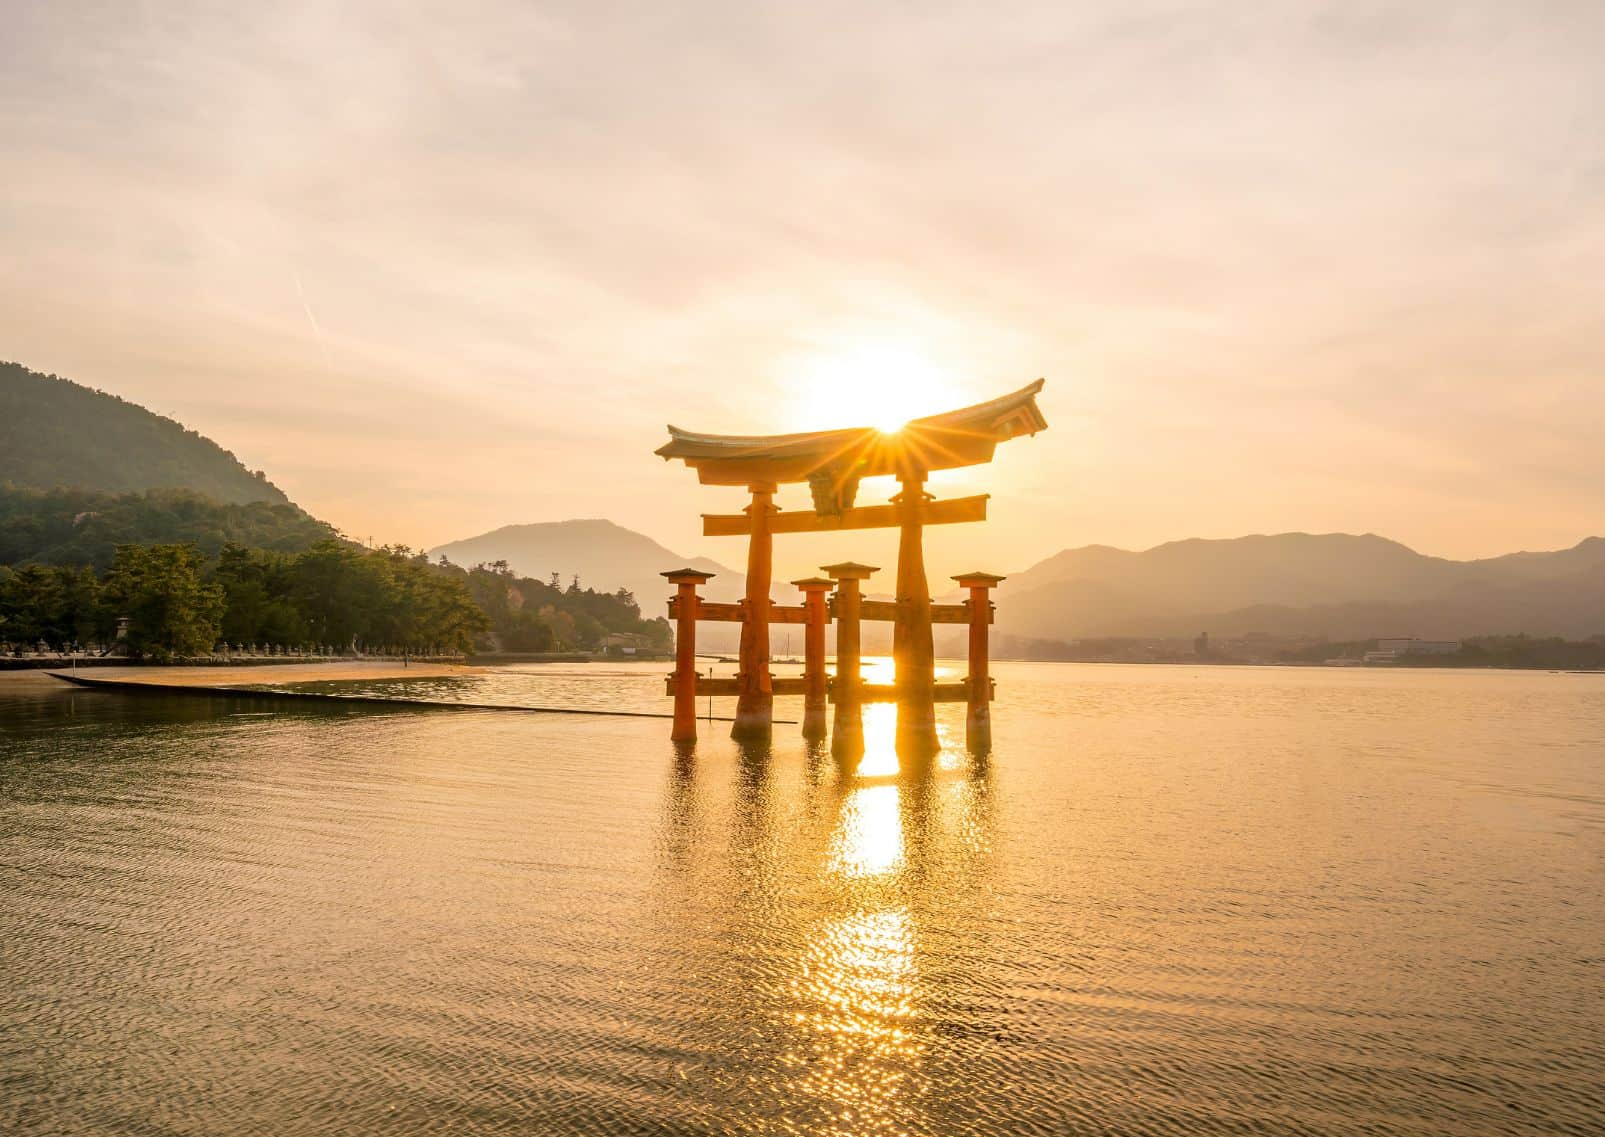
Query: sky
x,y
439,268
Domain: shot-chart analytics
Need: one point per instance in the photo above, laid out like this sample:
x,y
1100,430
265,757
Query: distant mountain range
x,y
55,433
603,555
608,557
1336,585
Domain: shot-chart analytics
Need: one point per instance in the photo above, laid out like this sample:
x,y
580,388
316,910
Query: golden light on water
x,y
879,724
880,738
869,838
855,989
855,993
855,997
858,976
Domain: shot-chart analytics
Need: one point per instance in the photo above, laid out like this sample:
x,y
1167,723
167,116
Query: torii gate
x,y
833,462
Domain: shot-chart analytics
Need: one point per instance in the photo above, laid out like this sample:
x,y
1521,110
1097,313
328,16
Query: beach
x,y
224,676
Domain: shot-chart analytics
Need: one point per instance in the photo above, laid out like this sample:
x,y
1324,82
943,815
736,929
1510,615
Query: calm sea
x,y
1173,901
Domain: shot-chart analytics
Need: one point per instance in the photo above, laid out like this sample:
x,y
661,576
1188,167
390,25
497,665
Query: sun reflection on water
x,y
880,759
854,990
869,839
854,993
880,741
856,1008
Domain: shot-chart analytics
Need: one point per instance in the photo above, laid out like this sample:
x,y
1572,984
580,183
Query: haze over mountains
x,y
1336,585
606,557
57,433
603,555
82,471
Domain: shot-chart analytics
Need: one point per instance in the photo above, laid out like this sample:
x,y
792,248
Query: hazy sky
x,y
439,268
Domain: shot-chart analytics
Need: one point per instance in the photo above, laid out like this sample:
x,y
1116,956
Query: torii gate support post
x,y
686,581
847,735
833,463
978,686
755,697
913,652
813,590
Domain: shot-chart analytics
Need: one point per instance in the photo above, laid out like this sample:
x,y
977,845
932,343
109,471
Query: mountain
x,y
1338,585
606,557
603,555
56,433
1513,568
84,527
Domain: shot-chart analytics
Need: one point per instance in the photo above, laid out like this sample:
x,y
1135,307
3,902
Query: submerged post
x,y
848,735
912,649
684,610
755,698
978,685
813,590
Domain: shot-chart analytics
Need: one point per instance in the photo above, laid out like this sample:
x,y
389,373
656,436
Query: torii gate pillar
x,y
833,463
813,590
686,581
913,652
978,685
847,735
755,693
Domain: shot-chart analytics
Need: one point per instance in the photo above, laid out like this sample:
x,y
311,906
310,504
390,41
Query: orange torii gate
x,y
832,463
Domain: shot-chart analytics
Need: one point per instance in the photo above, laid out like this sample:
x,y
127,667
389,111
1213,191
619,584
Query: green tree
x,y
172,612
35,605
257,605
339,591
57,605
79,527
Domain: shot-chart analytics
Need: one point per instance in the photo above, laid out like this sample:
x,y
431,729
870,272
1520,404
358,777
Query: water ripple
x,y
1242,901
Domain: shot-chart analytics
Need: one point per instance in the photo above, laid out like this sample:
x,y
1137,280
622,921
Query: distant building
x,y
1388,650
1201,645
625,643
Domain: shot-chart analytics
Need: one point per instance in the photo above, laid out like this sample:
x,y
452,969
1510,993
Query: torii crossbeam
x,y
832,463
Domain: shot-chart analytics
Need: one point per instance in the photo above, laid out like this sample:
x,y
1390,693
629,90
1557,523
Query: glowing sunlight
x,y
802,570
880,724
881,383
869,840
855,1003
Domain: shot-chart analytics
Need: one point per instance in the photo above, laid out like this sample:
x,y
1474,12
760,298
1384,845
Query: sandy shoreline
x,y
238,676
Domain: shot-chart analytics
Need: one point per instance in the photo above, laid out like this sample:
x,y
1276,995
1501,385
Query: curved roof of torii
x,y
834,460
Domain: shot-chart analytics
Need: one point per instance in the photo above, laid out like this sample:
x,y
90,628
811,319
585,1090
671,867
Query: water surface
x,y
1173,900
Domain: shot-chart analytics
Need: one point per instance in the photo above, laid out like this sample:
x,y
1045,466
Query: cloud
x,y
1267,250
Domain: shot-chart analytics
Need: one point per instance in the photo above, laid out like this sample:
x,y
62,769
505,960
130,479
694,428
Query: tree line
x,y
179,603
1512,651
85,527
530,615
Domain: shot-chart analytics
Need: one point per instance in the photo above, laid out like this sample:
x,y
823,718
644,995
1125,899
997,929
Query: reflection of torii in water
x,y
832,463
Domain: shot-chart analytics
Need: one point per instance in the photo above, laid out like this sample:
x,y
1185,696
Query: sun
x,y
879,383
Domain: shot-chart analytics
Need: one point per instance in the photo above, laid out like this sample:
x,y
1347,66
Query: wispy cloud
x,y
1274,259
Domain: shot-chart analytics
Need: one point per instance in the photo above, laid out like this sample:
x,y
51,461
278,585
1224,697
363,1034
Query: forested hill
x,y
54,432
83,527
